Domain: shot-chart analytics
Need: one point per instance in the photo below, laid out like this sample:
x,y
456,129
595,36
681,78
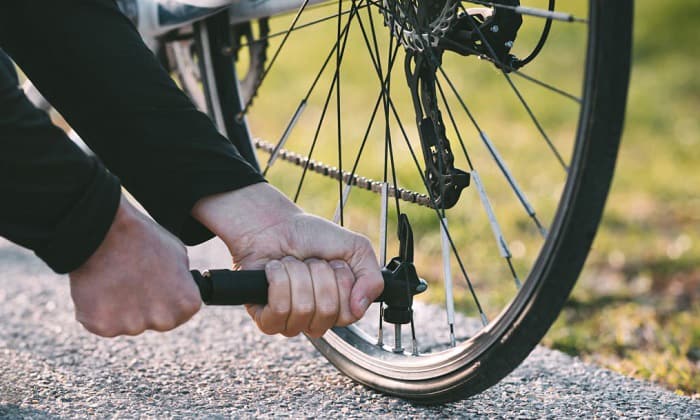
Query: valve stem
x,y
398,348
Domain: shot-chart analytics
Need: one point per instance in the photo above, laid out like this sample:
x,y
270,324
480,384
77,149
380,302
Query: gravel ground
x,y
218,365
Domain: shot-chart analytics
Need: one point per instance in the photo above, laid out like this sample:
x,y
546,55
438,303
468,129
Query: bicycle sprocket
x,y
419,24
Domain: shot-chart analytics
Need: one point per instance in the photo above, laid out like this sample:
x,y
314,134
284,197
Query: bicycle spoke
x,y
342,176
285,136
380,330
414,341
520,73
385,185
323,114
351,177
344,194
384,92
447,274
273,59
520,96
298,27
547,86
495,227
302,105
384,213
497,158
341,196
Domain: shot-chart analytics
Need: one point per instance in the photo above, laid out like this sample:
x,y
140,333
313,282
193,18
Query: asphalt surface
x,y
218,365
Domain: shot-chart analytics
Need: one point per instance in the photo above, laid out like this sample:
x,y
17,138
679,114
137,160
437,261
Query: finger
x,y
128,325
189,303
96,327
160,319
255,311
368,279
325,290
345,280
302,296
274,316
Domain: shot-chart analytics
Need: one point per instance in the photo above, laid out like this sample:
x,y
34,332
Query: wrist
x,y
126,219
243,212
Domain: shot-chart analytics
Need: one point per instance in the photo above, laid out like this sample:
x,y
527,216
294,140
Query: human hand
x,y
319,273
138,279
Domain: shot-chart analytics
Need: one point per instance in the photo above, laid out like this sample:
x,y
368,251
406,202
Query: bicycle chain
x,y
333,172
408,33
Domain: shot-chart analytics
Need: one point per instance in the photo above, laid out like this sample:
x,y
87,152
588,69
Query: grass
x,y
636,307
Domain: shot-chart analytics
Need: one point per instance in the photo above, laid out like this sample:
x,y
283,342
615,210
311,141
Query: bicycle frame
x,y
156,17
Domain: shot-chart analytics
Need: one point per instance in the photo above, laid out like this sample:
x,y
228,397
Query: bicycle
x,y
520,285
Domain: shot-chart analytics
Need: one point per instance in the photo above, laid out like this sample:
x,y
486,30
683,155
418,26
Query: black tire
x,y
494,352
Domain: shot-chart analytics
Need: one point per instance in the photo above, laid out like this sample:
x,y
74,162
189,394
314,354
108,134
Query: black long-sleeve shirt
x,y
89,61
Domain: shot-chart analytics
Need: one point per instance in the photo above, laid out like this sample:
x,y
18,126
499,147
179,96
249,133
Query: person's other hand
x,y
138,279
319,273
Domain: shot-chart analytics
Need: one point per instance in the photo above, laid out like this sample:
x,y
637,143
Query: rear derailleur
x,y
486,32
444,182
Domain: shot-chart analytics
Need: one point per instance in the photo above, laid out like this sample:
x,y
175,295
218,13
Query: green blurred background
x,y
636,307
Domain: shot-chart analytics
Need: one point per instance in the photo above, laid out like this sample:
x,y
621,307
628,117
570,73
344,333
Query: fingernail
x,y
364,303
274,265
337,264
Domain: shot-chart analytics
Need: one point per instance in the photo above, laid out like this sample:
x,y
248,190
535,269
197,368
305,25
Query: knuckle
x,y
315,263
279,310
97,327
291,333
190,306
363,242
106,333
345,279
269,329
132,330
289,260
162,324
316,332
104,330
326,310
278,281
304,309
133,327
345,319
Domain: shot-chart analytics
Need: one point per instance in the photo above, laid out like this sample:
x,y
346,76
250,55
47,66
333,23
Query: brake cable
x,y
543,38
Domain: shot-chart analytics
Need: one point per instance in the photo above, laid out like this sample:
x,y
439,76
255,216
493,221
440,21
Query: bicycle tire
x,y
496,351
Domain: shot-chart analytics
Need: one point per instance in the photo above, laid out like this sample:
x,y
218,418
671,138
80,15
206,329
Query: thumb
x,y
369,283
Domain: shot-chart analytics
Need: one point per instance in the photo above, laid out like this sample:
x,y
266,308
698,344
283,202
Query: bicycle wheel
x,y
500,241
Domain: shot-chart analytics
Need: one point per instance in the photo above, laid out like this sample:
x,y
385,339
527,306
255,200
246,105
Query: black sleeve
x,y
53,198
89,61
